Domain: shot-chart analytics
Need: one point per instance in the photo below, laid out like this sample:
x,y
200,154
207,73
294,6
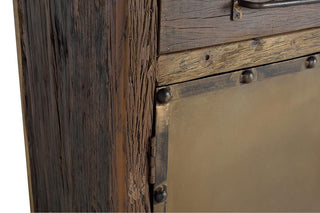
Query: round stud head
x,y
164,95
311,62
160,195
247,77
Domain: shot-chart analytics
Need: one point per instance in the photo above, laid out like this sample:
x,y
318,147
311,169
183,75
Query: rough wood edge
x,y
22,94
189,65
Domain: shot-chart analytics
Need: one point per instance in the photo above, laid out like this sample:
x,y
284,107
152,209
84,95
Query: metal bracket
x,y
152,176
236,11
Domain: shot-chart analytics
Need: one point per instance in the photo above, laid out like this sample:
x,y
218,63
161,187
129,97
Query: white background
x,y
14,195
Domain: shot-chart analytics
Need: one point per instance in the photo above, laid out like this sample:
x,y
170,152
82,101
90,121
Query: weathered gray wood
x,y
192,64
87,73
188,24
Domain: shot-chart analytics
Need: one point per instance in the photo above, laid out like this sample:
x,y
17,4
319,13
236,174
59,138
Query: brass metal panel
x,y
243,147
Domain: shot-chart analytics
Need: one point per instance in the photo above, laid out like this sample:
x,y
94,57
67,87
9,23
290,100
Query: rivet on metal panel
x,y
311,62
160,194
164,95
247,76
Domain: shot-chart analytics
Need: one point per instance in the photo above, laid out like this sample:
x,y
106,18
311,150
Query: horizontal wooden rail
x,y
193,64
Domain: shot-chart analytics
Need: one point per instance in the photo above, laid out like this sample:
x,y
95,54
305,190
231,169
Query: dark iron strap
x,y
272,3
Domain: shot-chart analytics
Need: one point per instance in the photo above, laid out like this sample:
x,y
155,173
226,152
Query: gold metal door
x,y
224,144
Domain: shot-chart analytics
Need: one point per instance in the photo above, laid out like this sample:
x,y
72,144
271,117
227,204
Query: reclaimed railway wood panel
x,y
193,64
87,74
189,24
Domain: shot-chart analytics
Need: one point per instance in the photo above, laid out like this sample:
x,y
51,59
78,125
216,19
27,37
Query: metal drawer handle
x,y
272,3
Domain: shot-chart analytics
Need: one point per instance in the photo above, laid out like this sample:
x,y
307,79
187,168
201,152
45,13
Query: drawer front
x,y
247,141
188,24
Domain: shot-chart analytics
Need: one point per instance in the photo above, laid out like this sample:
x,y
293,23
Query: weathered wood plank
x,y
188,24
87,74
22,94
194,9
188,65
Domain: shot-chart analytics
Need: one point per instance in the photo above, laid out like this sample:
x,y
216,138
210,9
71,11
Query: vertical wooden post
x,y
87,74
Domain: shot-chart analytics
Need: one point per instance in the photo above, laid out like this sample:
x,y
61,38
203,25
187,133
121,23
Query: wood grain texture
x,y
189,65
87,74
188,24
